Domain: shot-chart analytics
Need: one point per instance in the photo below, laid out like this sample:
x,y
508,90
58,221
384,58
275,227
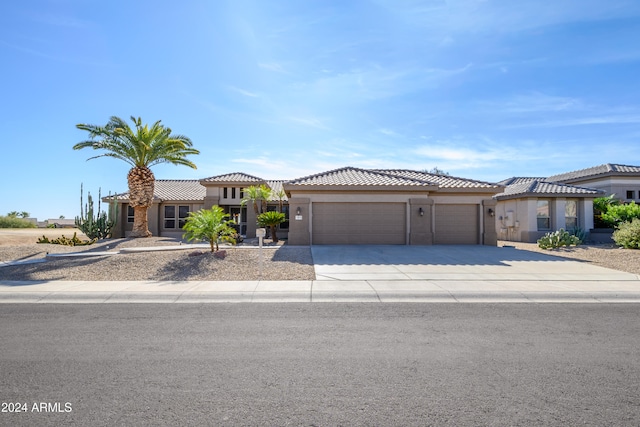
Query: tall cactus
x,y
100,225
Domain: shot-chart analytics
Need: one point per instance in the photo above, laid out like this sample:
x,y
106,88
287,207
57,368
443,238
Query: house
x,y
530,207
342,206
621,180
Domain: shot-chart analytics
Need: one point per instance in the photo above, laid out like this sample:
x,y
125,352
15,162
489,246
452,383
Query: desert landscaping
x,y
245,262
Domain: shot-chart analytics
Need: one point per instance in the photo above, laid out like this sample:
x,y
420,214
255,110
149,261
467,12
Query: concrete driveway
x,y
452,263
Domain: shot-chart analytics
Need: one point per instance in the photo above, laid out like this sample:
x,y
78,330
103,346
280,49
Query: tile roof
x,y
537,188
276,187
520,179
601,170
233,177
173,189
350,176
442,181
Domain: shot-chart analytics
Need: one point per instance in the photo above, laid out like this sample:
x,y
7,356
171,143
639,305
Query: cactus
x,y
100,225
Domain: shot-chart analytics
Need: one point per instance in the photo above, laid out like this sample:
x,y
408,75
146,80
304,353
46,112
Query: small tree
x,y
271,219
601,206
618,214
210,225
280,195
258,195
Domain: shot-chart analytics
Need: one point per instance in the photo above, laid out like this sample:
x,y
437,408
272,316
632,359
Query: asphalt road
x,y
320,364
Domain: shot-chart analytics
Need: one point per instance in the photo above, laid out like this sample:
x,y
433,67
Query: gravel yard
x,y
241,263
609,256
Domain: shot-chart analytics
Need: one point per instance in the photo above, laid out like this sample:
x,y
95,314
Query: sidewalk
x,y
422,291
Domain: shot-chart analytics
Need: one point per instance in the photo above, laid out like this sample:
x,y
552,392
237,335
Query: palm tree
x,y
211,225
142,148
271,219
258,195
280,195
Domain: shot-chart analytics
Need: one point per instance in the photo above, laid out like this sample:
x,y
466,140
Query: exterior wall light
x,y
421,211
298,211
491,212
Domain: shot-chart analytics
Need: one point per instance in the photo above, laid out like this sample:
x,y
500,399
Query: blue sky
x,y
281,89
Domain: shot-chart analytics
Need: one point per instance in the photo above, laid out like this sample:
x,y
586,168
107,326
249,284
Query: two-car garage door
x,y
359,224
386,224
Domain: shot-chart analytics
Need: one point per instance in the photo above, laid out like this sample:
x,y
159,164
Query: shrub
x,y
617,214
558,239
62,240
15,222
628,234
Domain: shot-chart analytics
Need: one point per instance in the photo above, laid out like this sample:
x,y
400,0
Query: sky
x,y
280,89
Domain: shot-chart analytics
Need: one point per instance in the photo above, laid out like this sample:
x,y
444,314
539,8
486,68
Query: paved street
x,y
322,364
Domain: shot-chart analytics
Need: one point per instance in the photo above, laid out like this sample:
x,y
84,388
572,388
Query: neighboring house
x,y
621,180
528,208
342,206
61,222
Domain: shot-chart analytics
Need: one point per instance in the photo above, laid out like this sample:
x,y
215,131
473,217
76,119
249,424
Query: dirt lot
x,y
27,236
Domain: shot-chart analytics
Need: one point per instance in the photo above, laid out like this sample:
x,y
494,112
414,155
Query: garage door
x,y
358,224
456,225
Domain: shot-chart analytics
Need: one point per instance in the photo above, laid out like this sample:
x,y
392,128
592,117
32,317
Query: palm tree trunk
x,y
140,222
274,238
141,183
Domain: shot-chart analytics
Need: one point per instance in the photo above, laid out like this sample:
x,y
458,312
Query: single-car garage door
x,y
358,224
456,225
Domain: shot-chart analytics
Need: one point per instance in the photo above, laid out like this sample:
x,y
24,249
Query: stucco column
x,y
585,212
558,212
488,216
211,201
299,221
420,221
252,221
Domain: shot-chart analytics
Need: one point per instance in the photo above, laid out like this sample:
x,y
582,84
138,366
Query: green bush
x,y
617,214
63,240
15,222
628,234
558,239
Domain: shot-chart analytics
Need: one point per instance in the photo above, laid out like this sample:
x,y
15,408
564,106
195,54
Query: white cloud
x,y
273,66
313,122
244,92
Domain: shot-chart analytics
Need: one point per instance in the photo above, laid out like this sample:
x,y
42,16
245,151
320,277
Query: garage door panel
x,y
456,225
359,223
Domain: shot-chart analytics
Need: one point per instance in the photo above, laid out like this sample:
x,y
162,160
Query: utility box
x,y
510,220
261,232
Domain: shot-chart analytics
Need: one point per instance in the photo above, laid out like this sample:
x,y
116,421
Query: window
x,y
225,193
285,224
544,219
169,217
571,214
233,192
631,194
130,213
183,214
